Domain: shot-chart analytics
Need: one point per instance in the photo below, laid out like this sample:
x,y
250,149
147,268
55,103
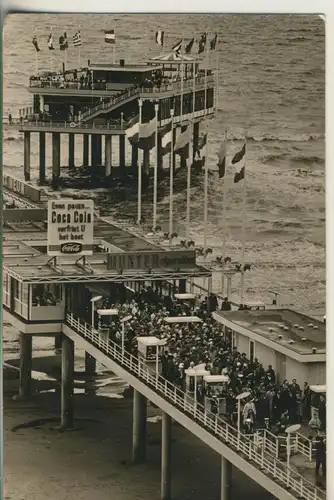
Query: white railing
x,y
274,444
269,464
304,445
21,308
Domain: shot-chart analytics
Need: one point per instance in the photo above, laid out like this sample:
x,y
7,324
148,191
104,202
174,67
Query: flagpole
x,y
36,62
206,182
51,55
206,72
189,163
224,210
140,102
217,72
171,178
243,232
114,53
182,84
155,185
79,56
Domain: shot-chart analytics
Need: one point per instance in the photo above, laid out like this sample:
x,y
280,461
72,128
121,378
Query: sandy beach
x,y
94,461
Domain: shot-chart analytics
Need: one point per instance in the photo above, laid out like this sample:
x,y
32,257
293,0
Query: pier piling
x,y
182,286
166,457
25,365
55,159
71,150
146,161
139,428
67,382
122,152
26,160
42,158
85,150
108,152
134,156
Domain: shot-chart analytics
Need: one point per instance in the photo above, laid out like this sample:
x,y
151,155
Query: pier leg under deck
x,y
134,156
67,379
183,160
226,479
146,161
90,364
108,155
85,151
26,159
182,286
25,365
99,149
166,457
174,154
42,158
93,151
122,152
71,148
139,428
195,138
55,159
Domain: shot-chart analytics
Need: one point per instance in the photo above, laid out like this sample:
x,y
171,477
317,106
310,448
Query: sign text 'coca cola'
x,y
70,227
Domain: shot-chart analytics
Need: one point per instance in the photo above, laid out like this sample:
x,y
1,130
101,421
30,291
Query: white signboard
x,y
70,227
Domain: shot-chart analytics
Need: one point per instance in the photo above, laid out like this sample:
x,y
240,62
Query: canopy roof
x,y
172,57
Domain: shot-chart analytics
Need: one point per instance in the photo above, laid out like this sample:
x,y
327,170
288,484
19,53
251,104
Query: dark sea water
x,y
272,90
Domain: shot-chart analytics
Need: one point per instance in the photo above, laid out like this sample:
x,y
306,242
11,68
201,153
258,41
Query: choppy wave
x,y
304,137
273,158
308,159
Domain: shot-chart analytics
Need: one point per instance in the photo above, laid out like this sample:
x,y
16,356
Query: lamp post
x,y
239,398
123,321
289,430
93,300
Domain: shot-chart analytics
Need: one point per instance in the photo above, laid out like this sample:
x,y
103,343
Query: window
x,y
46,295
251,350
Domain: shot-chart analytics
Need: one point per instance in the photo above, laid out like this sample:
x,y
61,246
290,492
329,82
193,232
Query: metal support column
x,y
182,286
139,428
55,159
166,457
108,155
26,156
99,149
85,151
67,383
134,156
122,152
41,158
71,150
226,479
25,365
146,161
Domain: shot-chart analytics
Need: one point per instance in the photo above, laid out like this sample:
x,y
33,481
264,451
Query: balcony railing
x,y
37,124
276,470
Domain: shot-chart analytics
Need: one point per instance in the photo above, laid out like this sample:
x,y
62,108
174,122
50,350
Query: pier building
x,y
55,296
99,101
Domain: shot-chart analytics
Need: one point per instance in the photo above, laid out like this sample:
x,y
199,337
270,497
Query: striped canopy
x,y
173,57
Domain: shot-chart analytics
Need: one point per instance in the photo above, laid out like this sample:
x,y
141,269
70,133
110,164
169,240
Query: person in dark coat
x,y
226,305
322,412
320,455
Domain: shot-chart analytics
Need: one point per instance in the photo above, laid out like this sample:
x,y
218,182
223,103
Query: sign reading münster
x,y
70,227
176,259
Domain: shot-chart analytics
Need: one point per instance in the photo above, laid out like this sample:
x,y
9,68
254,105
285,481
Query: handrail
x,y
269,464
73,125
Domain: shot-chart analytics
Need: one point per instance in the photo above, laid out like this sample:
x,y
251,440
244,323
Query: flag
x,y
189,46
77,39
199,158
166,138
132,130
240,174
63,43
222,160
213,42
109,36
35,43
147,134
181,146
201,43
177,48
159,37
239,155
50,42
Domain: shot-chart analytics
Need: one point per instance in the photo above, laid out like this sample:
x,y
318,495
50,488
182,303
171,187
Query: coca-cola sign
x,y
71,248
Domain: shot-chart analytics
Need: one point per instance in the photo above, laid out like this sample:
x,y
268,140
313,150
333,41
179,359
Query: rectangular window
x,y
251,350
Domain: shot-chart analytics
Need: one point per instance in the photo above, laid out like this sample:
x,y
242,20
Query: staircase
x,y
263,467
113,103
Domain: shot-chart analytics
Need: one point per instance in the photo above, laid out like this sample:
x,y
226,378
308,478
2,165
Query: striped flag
x,y
109,37
147,134
132,131
166,138
240,173
63,43
213,42
182,144
202,43
177,47
189,46
200,152
35,43
160,37
222,160
77,39
50,42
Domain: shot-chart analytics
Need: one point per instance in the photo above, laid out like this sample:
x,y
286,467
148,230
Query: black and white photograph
x,y
163,256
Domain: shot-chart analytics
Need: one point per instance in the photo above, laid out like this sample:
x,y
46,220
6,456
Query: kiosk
x,y
105,320
149,352
194,377
215,390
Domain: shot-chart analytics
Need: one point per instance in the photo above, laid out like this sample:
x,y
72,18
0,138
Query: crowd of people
x,y
271,403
